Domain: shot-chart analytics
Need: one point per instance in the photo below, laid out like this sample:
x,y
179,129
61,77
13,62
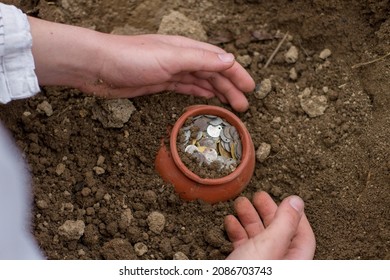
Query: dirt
x,y
97,194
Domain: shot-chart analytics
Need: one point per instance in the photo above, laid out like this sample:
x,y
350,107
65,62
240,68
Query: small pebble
x,y
99,170
324,54
140,249
60,169
180,256
244,60
42,204
126,217
156,222
100,160
86,192
46,108
263,89
72,230
315,105
263,152
291,56
107,197
293,74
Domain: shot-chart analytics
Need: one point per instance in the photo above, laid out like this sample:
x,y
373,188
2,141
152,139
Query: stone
x,y
291,56
263,152
113,113
72,230
244,60
313,105
46,108
156,222
140,249
42,204
293,74
263,89
180,256
178,24
60,169
125,219
99,170
325,53
100,160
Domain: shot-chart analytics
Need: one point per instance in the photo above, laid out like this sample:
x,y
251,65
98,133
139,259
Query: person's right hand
x,y
267,231
127,66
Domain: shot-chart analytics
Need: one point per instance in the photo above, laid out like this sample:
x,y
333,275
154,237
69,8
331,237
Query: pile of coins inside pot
x,y
211,140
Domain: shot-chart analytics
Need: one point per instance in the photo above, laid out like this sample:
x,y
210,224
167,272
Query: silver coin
x,y
191,149
199,135
208,142
201,123
216,121
214,131
234,133
210,155
238,150
226,132
226,146
223,137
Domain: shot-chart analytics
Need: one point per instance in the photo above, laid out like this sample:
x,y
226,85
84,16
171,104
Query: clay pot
x,y
189,185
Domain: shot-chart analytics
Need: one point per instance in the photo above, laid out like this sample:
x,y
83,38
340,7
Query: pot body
x,y
190,186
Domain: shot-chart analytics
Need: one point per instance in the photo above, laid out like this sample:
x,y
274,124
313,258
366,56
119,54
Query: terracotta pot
x,y
189,185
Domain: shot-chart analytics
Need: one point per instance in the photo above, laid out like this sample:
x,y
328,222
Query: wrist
x,y
65,55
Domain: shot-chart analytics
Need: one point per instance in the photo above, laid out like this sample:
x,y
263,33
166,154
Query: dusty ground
x,y
338,161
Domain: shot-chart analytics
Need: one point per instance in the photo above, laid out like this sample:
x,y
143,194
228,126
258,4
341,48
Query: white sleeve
x,y
17,76
16,240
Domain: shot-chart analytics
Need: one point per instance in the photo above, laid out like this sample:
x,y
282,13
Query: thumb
x,y
285,224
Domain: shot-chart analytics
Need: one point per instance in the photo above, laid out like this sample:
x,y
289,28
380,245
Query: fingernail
x,y
297,203
226,57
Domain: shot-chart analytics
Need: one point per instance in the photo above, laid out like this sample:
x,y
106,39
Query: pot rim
x,y
230,117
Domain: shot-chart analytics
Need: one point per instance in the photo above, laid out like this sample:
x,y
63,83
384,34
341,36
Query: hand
x,y
128,66
266,231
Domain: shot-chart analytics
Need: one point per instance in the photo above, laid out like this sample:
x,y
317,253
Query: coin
x,y
214,131
210,154
191,149
211,139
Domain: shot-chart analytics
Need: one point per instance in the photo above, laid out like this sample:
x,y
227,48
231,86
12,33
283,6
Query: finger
x,y
235,231
266,207
221,97
234,96
189,78
284,225
194,59
248,216
303,245
239,77
185,42
146,90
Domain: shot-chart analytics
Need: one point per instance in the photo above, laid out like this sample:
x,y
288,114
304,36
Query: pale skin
x,y
264,230
128,66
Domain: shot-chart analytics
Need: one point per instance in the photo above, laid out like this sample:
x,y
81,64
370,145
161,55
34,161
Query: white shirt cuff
x,y
17,76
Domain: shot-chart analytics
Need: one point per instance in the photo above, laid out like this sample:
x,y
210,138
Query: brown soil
x,y
338,162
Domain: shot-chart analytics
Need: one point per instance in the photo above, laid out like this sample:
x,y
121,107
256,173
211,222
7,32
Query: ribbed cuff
x,y
17,76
